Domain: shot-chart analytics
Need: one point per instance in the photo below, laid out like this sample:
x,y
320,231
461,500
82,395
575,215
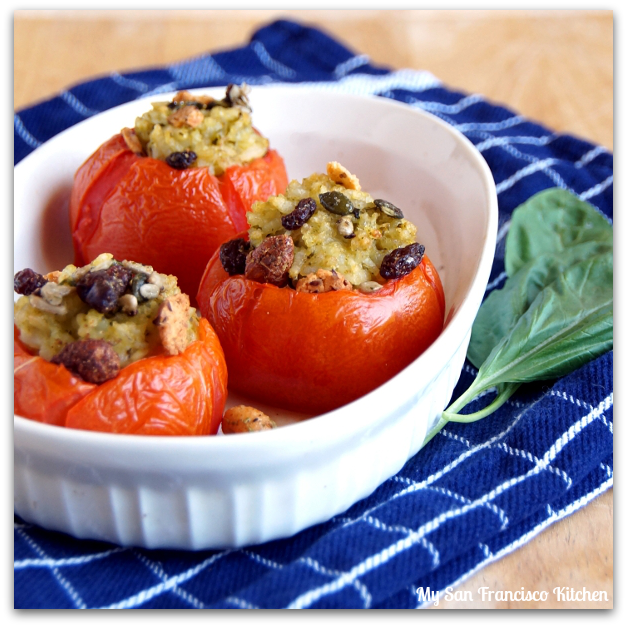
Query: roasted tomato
x,y
140,208
42,391
160,395
316,352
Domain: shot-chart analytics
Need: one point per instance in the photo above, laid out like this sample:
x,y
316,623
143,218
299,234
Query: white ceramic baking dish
x,y
230,491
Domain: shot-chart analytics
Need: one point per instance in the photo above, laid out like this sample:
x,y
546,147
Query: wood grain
x,y
555,67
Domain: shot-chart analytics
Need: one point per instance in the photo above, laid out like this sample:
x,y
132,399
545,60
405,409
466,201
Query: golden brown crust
x,y
271,261
53,276
132,141
173,320
323,281
186,96
188,115
94,361
244,419
340,175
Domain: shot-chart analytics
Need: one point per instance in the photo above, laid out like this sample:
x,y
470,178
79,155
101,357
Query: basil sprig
x,y
555,310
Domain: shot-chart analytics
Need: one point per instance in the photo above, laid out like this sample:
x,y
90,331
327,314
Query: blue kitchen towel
x,y
475,493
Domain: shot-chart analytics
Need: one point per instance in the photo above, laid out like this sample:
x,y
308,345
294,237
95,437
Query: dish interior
x,y
400,154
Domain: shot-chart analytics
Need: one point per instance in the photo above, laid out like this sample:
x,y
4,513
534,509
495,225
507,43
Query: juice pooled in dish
x,y
325,297
170,190
115,346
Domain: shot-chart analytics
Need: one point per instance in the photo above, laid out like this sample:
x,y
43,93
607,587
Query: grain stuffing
x,y
108,312
199,131
327,234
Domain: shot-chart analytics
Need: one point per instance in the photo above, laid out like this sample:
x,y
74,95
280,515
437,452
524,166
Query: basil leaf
x,y
552,220
568,324
555,311
502,308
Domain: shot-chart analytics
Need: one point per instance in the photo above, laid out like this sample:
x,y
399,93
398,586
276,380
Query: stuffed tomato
x,y
326,297
115,347
170,190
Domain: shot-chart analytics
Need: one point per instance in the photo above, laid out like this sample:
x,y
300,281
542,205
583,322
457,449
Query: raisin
x,y
181,160
401,261
94,361
233,255
28,281
271,260
100,289
303,211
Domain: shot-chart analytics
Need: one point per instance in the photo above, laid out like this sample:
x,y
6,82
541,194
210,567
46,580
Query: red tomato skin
x,y
160,395
43,391
141,209
313,353
241,186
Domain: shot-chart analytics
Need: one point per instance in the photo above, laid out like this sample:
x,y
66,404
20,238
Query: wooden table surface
x,y
555,67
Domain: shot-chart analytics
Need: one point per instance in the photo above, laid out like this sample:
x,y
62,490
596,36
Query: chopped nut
x,y
154,278
103,262
94,361
186,96
188,115
54,293
271,260
39,303
53,276
132,141
237,96
128,304
339,174
172,321
137,268
345,227
323,281
367,287
149,291
243,419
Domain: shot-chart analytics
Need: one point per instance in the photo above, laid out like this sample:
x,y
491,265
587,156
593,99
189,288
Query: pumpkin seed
x,y
388,208
336,203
